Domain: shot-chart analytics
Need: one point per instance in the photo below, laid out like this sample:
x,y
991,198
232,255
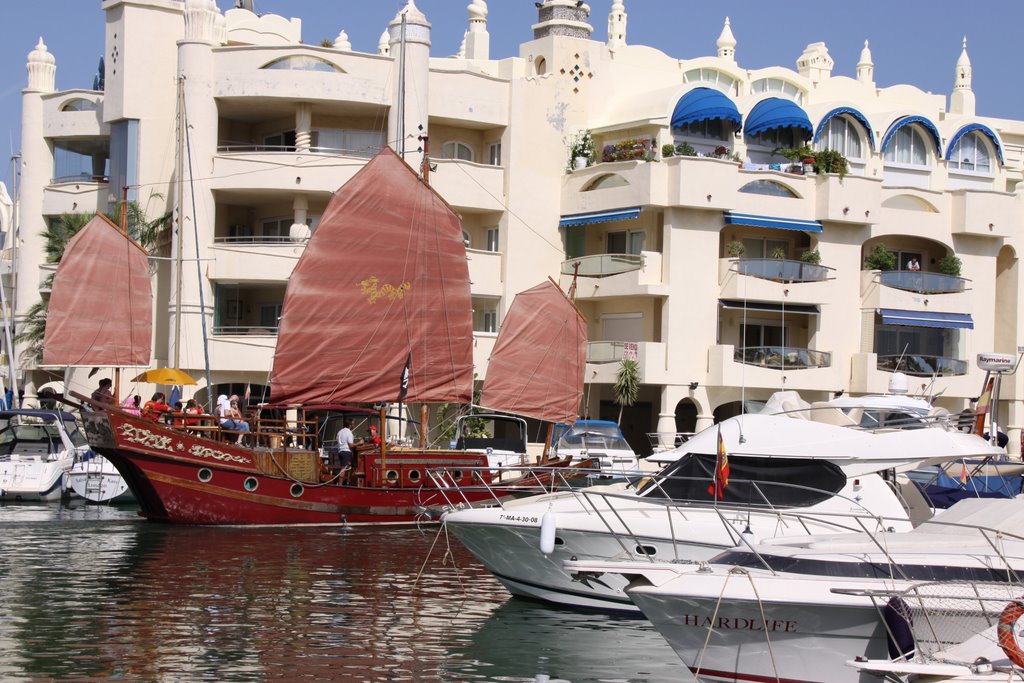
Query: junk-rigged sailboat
x,y
377,310
100,315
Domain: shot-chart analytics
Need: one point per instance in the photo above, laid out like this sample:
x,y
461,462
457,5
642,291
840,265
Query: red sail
x,y
384,278
536,368
101,304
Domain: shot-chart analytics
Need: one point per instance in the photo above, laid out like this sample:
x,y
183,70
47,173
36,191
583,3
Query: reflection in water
x,y
93,592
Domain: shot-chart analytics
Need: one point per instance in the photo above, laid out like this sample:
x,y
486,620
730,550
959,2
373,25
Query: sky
x,y
912,41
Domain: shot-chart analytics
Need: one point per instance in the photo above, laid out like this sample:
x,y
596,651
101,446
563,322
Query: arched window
x,y
541,65
606,181
768,187
302,63
712,77
907,146
843,135
778,86
971,153
78,104
456,150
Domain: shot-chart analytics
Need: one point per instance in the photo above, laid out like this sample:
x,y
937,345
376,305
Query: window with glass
x,y
907,146
843,135
456,150
485,315
280,142
302,63
778,86
626,241
774,138
895,340
494,154
712,129
493,236
767,187
764,247
756,334
81,160
364,143
78,104
971,153
712,77
270,315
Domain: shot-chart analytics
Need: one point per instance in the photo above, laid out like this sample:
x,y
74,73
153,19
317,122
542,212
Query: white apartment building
x,y
694,263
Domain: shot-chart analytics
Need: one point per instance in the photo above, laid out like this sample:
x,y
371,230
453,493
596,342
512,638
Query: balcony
x,y
483,345
984,212
82,196
281,171
779,280
914,291
470,185
256,261
235,353
870,374
603,358
772,368
485,272
918,365
851,199
603,276
783,357
645,186
921,282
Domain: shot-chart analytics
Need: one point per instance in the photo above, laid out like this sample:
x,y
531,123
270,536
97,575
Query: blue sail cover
x,y
776,112
704,104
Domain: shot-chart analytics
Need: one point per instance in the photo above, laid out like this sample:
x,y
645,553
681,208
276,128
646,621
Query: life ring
x,y
1013,611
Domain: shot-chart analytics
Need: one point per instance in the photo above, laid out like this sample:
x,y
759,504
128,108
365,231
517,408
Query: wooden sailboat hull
x,y
187,479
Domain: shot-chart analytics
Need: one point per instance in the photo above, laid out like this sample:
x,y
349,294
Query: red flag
x,y
984,405
721,479
963,474
248,393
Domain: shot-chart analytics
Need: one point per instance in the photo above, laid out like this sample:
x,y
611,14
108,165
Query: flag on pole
x,y
984,405
721,478
963,474
403,386
247,394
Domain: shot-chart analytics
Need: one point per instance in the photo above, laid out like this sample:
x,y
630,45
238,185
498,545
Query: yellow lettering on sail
x,y
373,290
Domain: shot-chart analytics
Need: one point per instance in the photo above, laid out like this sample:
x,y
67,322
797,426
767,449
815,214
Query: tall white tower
x,y
409,108
727,43
478,40
617,25
962,99
865,67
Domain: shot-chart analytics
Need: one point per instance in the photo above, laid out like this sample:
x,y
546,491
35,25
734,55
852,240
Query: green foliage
x,y
796,155
326,42
448,413
60,231
668,150
880,258
31,331
685,149
628,150
778,253
627,384
950,265
735,249
580,145
811,256
831,161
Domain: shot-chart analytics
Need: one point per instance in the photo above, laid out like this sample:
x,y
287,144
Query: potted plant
x,y
831,161
811,256
668,150
950,265
722,152
778,253
685,149
735,249
880,258
581,150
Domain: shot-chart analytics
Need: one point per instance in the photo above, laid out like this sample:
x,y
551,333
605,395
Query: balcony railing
x,y
258,239
921,282
248,147
604,351
923,365
243,330
603,265
782,270
79,178
782,357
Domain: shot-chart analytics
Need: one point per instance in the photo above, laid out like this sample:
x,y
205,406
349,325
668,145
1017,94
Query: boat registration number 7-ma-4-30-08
x,y
520,519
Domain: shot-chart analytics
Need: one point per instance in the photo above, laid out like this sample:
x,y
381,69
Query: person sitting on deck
x,y
231,416
156,407
103,395
192,408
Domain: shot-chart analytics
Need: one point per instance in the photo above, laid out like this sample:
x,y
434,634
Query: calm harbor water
x,y
90,593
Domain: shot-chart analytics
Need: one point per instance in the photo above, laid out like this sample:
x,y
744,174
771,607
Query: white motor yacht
x,y
813,461
37,450
95,479
601,441
796,609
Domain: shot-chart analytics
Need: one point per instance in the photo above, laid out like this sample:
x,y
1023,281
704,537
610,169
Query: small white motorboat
x,y
95,479
37,451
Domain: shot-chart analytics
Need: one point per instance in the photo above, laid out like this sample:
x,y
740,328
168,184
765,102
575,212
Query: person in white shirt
x,y
346,443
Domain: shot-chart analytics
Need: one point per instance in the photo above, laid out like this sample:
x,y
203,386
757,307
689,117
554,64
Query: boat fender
x,y
1007,638
547,533
898,625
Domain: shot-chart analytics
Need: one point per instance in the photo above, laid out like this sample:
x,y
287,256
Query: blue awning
x,y
769,306
852,113
891,316
776,112
970,128
733,218
909,120
704,104
599,217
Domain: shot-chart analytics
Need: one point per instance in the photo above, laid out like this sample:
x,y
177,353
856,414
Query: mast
x,y
400,131
179,203
15,225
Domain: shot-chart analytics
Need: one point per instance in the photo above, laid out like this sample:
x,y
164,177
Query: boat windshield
x,y
774,482
606,437
30,439
874,418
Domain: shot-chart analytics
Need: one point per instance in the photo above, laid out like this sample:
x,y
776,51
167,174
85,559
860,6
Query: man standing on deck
x,y
346,442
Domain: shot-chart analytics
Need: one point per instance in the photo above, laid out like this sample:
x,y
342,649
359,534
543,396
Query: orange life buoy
x,y
1013,611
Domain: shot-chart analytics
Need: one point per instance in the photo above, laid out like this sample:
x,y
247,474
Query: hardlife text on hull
x,y
377,311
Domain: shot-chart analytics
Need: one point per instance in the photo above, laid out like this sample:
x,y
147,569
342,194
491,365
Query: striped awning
x,y
891,316
776,112
769,306
704,104
599,217
734,218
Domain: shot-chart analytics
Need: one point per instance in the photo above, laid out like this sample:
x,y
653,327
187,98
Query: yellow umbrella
x,y
165,376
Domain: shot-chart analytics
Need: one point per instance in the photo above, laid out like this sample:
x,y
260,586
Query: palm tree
x,y
627,384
